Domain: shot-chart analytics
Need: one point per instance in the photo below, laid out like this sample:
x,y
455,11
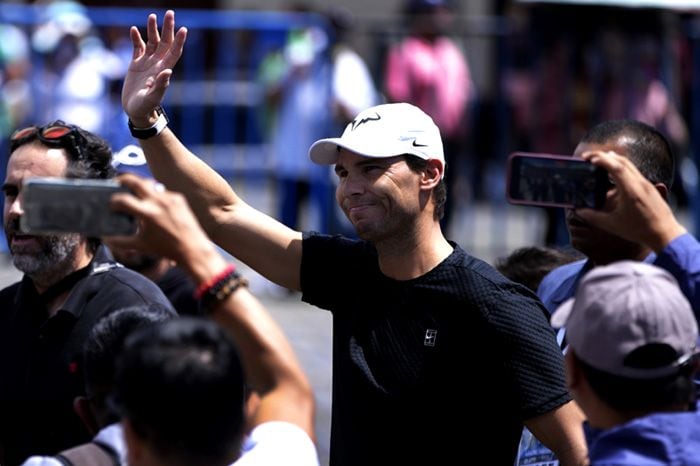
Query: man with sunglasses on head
x,y
70,281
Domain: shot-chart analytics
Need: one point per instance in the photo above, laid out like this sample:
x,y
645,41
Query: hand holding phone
x,y
555,181
70,205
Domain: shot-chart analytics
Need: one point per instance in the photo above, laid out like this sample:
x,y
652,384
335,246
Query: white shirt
x,y
278,443
110,435
270,443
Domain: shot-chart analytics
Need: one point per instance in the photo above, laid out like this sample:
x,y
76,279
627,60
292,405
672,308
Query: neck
x,y
413,255
45,279
636,254
48,284
611,418
602,416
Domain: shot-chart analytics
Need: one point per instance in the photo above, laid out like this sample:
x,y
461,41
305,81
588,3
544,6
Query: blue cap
x,y
130,159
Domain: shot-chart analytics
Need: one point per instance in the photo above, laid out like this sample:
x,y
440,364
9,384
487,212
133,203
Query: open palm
x,y
151,66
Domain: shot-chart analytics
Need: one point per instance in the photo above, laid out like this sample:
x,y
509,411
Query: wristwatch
x,y
158,126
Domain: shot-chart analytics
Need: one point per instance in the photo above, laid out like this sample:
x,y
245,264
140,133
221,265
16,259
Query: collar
x,y
65,284
113,436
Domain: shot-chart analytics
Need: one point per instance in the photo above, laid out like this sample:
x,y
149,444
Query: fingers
x,y
137,42
175,50
162,81
141,187
152,33
166,46
168,33
621,169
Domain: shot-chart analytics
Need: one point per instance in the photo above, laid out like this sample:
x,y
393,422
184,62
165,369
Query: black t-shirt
x,y
41,359
179,288
419,363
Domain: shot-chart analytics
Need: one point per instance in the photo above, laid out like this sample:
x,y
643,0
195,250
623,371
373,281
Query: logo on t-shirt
x,y
430,337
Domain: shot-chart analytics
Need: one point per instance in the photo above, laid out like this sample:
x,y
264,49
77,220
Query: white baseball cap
x,y
385,130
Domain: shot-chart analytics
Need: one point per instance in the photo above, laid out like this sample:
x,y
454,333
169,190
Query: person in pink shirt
x,y
429,70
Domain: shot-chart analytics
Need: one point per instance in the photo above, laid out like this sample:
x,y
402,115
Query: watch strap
x,y
155,129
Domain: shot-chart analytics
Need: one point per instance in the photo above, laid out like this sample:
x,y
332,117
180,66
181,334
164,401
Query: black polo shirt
x,y
40,357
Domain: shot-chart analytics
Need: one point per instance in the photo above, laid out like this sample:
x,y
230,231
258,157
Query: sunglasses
x,y
53,135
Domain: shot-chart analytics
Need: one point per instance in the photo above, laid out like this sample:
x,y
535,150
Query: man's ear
x,y
663,190
433,173
83,409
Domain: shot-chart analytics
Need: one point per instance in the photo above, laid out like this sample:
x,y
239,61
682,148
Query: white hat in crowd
x,y
385,130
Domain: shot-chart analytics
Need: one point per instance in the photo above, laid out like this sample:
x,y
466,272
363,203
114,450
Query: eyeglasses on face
x,y
53,135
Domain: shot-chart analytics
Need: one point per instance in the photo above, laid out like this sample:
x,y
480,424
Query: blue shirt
x,y
681,257
658,439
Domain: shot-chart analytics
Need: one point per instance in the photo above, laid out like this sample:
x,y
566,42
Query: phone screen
x,y
555,180
63,205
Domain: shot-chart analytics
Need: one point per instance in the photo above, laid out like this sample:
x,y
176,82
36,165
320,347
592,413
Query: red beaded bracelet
x,y
205,287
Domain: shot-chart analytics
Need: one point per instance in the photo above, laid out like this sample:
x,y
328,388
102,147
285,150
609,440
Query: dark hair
x,y
417,165
89,156
528,265
180,384
632,396
649,150
104,344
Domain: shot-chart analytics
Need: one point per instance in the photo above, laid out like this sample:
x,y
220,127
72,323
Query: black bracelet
x,y
222,289
157,128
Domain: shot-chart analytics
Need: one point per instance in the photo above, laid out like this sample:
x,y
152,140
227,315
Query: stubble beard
x,y
53,262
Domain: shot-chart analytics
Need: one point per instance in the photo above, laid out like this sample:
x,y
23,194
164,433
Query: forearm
x,y
561,431
681,257
271,367
209,194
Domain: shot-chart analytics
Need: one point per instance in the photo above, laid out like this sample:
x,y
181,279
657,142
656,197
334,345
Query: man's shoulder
x,y
9,293
113,271
10,289
472,268
560,283
278,442
335,247
560,276
647,440
115,280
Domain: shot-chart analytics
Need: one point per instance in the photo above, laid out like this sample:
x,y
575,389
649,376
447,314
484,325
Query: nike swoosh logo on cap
x,y
415,144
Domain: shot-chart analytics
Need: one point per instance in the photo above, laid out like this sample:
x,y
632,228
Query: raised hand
x,y
634,209
151,67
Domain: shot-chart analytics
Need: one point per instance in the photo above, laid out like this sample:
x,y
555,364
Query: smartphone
x,y
70,205
555,181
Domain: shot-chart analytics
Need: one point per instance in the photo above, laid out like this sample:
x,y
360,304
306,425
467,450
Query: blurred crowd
x,y
550,78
